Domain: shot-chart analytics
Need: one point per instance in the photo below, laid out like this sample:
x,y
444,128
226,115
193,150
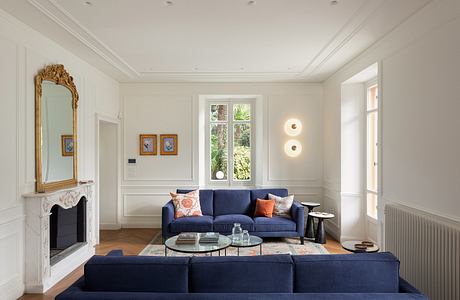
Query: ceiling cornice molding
x,y
355,24
66,21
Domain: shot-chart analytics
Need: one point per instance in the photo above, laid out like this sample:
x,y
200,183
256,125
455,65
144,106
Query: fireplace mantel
x,y
40,274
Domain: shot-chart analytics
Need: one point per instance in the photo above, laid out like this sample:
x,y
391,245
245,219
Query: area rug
x,y
270,246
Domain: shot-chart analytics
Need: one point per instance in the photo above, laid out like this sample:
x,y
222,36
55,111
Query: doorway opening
x,y
107,179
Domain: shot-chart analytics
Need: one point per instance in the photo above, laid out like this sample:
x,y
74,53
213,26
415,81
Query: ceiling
x,y
215,40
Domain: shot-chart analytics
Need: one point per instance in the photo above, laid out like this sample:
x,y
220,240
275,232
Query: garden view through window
x,y
230,141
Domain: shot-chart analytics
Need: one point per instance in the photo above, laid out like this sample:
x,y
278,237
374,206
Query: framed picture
x,y
148,144
168,144
67,145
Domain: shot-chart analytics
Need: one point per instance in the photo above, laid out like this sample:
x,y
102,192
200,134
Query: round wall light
x,y
220,175
293,148
293,127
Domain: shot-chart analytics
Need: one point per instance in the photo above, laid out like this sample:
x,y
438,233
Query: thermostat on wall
x,y
131,160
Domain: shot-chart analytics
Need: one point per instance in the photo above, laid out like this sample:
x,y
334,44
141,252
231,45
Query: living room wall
x,y
23,52
175,109
420,101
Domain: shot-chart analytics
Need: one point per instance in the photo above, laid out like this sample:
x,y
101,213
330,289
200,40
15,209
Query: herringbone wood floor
x,y
131,241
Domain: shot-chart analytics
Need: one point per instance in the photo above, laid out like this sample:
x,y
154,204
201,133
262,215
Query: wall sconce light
x,y
293,127
293,148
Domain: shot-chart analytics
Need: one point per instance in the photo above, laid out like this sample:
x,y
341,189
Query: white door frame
x,y
103,118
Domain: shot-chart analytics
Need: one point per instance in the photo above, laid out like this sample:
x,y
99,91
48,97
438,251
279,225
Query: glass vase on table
x,y
237,233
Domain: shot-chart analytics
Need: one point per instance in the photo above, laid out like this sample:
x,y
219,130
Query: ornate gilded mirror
x,y
56,100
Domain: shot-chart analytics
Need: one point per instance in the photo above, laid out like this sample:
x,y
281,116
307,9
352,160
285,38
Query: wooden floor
x,y
132,242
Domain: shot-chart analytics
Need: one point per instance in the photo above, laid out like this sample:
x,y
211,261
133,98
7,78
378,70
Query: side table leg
x,y
166,251
260,252
238,251
320,233
310,229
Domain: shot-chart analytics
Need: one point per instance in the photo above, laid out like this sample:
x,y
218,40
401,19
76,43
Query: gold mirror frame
x,y
58,75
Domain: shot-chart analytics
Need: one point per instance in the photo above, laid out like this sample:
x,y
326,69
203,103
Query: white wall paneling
x,y
23,52
418,66
179,108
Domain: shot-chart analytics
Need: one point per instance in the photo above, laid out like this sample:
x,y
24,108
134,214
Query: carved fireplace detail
x,y
40,273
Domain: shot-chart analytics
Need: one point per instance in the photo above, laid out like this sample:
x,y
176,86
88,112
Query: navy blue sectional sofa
x,y
222,208
347,276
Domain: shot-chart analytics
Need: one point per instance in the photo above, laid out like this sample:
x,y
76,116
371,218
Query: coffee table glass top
x,y
221,244
253,241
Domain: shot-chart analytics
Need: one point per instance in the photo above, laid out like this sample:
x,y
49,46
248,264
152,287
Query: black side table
x,y
310,227
320,232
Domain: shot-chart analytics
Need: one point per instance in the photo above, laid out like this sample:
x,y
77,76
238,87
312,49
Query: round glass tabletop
x,y
252,242
221,244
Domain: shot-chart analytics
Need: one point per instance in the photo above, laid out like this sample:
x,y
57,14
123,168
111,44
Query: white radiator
x,y
428,247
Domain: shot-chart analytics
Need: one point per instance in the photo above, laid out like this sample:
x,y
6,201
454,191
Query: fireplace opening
x,y
67,230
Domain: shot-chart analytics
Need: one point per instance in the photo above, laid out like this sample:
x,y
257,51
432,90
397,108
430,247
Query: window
x,y
230,131
372,110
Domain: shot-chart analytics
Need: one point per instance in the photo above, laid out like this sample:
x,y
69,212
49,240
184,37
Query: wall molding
x,y
11,214
78,31
146,194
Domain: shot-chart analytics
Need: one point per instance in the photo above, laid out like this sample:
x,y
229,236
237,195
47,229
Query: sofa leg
x,y
302,240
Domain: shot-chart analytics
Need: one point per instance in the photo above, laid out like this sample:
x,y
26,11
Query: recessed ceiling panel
x,y
222,36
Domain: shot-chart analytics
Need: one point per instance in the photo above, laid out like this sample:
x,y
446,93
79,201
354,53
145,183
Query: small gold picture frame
x,y
67,145
148,144
168,144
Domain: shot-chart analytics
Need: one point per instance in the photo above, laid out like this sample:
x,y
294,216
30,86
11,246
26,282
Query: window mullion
x,y
230,144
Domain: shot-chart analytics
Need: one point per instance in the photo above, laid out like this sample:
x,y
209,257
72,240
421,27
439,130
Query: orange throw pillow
x,y
264,208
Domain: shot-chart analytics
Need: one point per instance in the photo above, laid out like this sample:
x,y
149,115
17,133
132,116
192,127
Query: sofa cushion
x,y
192,224
345,273
228,202
264,208
206,200
225,223
233,274
137,274
186,205
276,223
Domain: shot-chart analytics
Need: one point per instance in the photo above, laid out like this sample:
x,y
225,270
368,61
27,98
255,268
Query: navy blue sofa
x,y
346,276
222,208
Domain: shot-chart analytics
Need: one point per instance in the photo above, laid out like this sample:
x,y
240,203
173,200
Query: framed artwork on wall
x,y
67,145
168,144
148,144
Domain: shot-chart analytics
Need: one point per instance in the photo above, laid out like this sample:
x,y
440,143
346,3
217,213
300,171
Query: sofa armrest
x,y
406,287
167,216
297,214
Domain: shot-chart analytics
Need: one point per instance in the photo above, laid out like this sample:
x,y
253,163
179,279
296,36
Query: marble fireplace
x,y
60,234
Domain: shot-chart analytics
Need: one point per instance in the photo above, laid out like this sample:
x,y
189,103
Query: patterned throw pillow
x,y
282,205
187,205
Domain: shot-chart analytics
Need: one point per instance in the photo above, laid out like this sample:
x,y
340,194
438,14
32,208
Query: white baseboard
x,y
109,226
141,225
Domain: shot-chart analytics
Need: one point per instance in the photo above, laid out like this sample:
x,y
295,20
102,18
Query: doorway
x,y
107,179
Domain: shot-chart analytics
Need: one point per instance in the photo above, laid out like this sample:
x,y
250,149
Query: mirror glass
x,y
57,144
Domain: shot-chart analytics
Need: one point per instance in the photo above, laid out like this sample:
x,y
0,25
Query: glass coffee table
x,y
197,248
252,242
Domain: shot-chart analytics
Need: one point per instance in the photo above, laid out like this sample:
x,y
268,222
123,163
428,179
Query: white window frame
x,y
370,84
230,182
